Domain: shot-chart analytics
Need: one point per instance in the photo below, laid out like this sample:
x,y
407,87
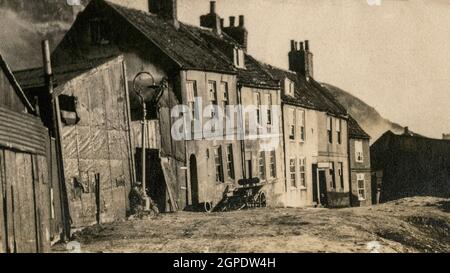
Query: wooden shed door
x,y
18,216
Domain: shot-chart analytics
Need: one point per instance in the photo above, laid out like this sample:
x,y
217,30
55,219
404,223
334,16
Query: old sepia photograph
x,y
227,126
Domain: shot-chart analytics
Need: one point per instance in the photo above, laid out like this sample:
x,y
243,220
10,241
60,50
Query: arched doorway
x,y
194,179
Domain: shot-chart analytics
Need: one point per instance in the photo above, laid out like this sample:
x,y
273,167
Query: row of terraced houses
x,y
321,156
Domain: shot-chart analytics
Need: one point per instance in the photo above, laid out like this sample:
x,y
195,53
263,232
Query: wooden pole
x,y
97,198
56,133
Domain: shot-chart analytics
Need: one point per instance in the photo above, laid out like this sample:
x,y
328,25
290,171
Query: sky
x,y
394,54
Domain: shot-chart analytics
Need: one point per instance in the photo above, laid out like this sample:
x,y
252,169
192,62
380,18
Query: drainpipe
x,y
285,155
350,190
242,143
57,135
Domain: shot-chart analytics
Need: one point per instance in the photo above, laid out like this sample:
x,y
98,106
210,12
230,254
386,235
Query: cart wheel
x,y
262,200
208,206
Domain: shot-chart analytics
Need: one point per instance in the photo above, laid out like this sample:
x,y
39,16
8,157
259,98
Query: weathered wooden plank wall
x,y
153,140
56,218
98,143
25,214
3,223
8,96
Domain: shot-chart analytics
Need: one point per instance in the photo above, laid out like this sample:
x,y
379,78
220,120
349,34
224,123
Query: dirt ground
x,y
419,224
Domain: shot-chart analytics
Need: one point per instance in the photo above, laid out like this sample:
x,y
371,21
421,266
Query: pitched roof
x,y
16,86
35,78
254,74
414,141
178,44
308,93
355,131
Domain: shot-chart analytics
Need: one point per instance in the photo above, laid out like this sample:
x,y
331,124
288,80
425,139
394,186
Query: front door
x,y
323,187
194,179
248,169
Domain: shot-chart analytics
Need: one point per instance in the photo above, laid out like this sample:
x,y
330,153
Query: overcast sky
x,y
394,56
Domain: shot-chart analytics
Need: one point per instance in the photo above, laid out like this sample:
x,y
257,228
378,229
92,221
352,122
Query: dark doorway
x,y
315,184
248,169
155,180
323,187
194,179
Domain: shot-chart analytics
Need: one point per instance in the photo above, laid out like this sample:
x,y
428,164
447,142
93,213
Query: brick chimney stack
x,y
407,132
301,59
212,20
238,32
167,9
232,21
241,21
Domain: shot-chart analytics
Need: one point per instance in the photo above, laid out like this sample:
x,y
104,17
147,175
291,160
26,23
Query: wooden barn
x,y
410,165
30,207
93,124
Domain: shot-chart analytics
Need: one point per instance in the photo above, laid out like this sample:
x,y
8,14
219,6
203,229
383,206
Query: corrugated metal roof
x,y
22,132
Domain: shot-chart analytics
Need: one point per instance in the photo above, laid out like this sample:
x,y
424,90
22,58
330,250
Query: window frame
x,y
333,175
292,124
339,131
302,172
218,164
302,125
190,98
239,57
257,98
272,164
360,177
269,109
330,129
293,172
289,87
359,150
230,162
262,166
224,89
341,175
213,91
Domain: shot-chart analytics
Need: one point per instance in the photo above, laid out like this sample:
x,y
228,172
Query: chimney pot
x,y
167,9
232,20
307,45
212,7
292,45
241,20
222,22
406,130
301,47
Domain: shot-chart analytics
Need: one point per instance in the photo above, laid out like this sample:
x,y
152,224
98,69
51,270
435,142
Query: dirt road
x,y
420,224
